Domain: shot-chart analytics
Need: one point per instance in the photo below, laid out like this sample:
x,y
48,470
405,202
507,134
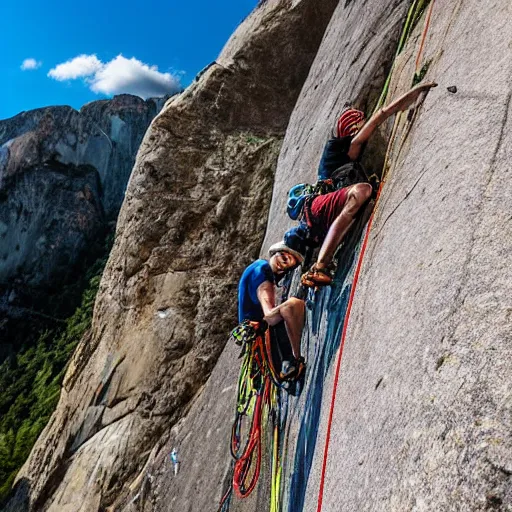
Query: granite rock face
x,y
422,414
49,215
63,174
203,435
351,67
193,217
104,134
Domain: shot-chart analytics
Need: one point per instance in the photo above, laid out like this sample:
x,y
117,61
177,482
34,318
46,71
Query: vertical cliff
x,y
193,217
421,419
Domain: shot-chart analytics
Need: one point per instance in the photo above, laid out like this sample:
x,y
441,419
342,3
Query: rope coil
x,y
257,396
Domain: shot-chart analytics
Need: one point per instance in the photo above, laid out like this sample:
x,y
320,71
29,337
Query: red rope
x,y
340,354
244,463
424,36
352,293
253,449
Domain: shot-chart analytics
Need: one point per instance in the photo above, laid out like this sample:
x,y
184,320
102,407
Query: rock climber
x,y
328,217
257,300
352,131
175,461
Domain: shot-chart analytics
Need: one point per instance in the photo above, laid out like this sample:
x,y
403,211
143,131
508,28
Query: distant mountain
x,y
63,174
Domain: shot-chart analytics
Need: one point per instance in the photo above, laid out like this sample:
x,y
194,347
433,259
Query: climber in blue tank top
x,y
257,299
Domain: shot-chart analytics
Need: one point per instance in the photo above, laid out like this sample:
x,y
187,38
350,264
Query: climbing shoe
x,y
316,277
292,370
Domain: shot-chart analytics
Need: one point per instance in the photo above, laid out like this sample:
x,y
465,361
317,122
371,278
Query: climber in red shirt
x,y
330,216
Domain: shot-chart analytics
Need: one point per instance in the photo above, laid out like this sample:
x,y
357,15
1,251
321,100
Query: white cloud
x,y
81,66
135,77
30,64
120,75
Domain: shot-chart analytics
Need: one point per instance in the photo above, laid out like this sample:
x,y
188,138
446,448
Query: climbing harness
x,y
245,332
414,12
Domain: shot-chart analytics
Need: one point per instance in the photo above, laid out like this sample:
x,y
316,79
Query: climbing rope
x,y
415,11
413,14
423,38
275,489
246,397
418,76
340,353
257,397
243,482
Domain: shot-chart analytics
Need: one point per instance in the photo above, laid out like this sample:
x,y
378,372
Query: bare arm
x,y
401,103
267,297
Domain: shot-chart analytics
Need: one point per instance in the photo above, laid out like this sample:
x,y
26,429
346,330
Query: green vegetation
x,y
418,77
252,139
30,381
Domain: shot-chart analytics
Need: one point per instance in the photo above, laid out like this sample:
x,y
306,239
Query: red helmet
x,y
348,122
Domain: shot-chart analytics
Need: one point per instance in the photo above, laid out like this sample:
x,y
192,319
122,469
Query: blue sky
x,y
119,44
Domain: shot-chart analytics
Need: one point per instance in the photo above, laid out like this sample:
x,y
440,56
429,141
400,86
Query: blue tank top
x,y
249,307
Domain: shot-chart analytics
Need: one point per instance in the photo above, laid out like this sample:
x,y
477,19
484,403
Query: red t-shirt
x,y
324,209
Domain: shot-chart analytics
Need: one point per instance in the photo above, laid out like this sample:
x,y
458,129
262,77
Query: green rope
x,y
246,391
415,11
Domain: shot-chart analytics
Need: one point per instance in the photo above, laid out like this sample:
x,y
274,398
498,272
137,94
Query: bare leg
x,y
292,312
356,197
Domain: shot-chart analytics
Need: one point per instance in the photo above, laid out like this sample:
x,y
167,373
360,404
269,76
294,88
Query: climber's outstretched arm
x,y
400,104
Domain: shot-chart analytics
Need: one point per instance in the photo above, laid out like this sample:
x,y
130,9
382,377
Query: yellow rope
x,y
411,16
276,463
414,11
